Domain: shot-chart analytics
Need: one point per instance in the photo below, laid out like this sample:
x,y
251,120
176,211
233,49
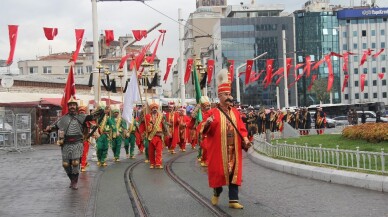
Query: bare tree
x,y
320,90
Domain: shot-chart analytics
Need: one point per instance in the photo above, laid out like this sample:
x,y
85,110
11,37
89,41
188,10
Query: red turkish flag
x,y
68,91
50,33
231,70
381,75
109,37
248,70
317,64
378,53
362,82
79,34
13,35
313,78
365,56
210,70
163,33
269,68
335,54
123,60
279,79
345,84
168,68
189,65
139,34
151,60
278,72
307,68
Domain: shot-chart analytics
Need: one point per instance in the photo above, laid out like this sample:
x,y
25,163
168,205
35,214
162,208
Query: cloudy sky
x,y
122,17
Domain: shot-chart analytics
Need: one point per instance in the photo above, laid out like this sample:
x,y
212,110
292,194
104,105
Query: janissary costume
x,y
156,129
225,149
320,120
86,138
170,116
130,139
70,130
202,137
117,138
106,128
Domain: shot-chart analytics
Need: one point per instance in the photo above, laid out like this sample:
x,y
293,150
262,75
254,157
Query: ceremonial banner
x,y
313,78
378,53
362,82
365,56
289,65
269,67
163,33
68,91
381,75
231,70
132,95
345,84
139,34
50,33
307,68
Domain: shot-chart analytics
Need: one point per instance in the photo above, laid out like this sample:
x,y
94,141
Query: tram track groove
x,y
194,193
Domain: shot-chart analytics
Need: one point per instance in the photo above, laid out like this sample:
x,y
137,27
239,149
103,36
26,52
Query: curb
x,y
355,179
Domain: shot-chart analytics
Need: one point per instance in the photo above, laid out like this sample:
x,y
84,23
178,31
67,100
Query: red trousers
x,y
84,158
155,149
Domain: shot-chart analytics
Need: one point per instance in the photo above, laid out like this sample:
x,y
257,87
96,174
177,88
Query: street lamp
x,y
238,80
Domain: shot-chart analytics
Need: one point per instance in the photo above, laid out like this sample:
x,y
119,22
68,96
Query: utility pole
x,y
96,82
285,69
181,57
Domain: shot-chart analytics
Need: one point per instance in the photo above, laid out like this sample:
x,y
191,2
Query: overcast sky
x,y
122,17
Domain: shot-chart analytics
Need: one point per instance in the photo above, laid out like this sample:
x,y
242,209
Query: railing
x,y
350,159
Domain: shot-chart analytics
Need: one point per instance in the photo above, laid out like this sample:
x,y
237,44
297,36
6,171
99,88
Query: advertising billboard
x,y
362,13
211,3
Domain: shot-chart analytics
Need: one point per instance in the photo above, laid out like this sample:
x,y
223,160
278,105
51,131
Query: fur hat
x,y
204,100
223,82
153,103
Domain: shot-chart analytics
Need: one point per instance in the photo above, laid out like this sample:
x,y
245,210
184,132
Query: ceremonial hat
x,y
223,82
72,100
153,103
82,108
116,108
204,100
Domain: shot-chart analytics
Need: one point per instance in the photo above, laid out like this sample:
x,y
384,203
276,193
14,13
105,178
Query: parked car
x,y
370,117
341,120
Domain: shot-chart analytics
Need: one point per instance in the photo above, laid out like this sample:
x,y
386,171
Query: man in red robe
x,y
225,150
202,138
170,117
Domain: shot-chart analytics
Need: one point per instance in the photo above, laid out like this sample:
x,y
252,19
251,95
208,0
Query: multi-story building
x,y
246,32
316,35
361,29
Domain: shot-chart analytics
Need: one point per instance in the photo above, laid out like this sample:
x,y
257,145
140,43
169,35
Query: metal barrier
x,y
15,131
350,159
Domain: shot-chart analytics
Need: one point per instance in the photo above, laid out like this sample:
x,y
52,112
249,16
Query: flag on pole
x,y
109,37
131,96
13,35
50,33
79,34
197,93
168,68
69,91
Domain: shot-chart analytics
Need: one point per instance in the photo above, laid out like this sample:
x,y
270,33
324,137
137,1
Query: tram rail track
x,y
138,205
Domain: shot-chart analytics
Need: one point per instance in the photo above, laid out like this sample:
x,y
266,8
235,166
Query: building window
x,y
366,96
373,32
384,95
344,47
382,45
363,45
356,83
374,82
382,32
357,96
355,33
355,46
375,95
366,83
66,69
346,96
374,70
345,34
363,33
382,57
355,58
383,69
373,45
46,69
365,70
89,69
33,70
356,71
384,82
79,70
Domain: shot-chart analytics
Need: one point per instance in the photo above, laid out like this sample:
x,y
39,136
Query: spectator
x,y
363,117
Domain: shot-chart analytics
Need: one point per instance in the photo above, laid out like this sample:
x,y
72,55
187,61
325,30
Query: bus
x,y
334,110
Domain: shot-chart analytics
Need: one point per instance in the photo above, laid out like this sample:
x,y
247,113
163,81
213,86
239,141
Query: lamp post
x,y
238,80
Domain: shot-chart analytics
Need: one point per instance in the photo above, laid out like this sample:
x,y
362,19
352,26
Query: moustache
x,y
228,100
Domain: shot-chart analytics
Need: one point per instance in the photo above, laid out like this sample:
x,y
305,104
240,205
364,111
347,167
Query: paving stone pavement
x,y
33,183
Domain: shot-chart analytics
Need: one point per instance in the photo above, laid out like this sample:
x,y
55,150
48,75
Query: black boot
x,y
75,181
71,179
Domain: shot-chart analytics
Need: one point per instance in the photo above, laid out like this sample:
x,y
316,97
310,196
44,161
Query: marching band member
x,y
106,127
117,138
320,120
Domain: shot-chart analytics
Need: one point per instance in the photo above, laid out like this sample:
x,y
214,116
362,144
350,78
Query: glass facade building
x,y
317,35
247,37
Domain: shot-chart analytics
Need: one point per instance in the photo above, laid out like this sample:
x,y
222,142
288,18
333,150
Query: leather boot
x,y
71,179
75,182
